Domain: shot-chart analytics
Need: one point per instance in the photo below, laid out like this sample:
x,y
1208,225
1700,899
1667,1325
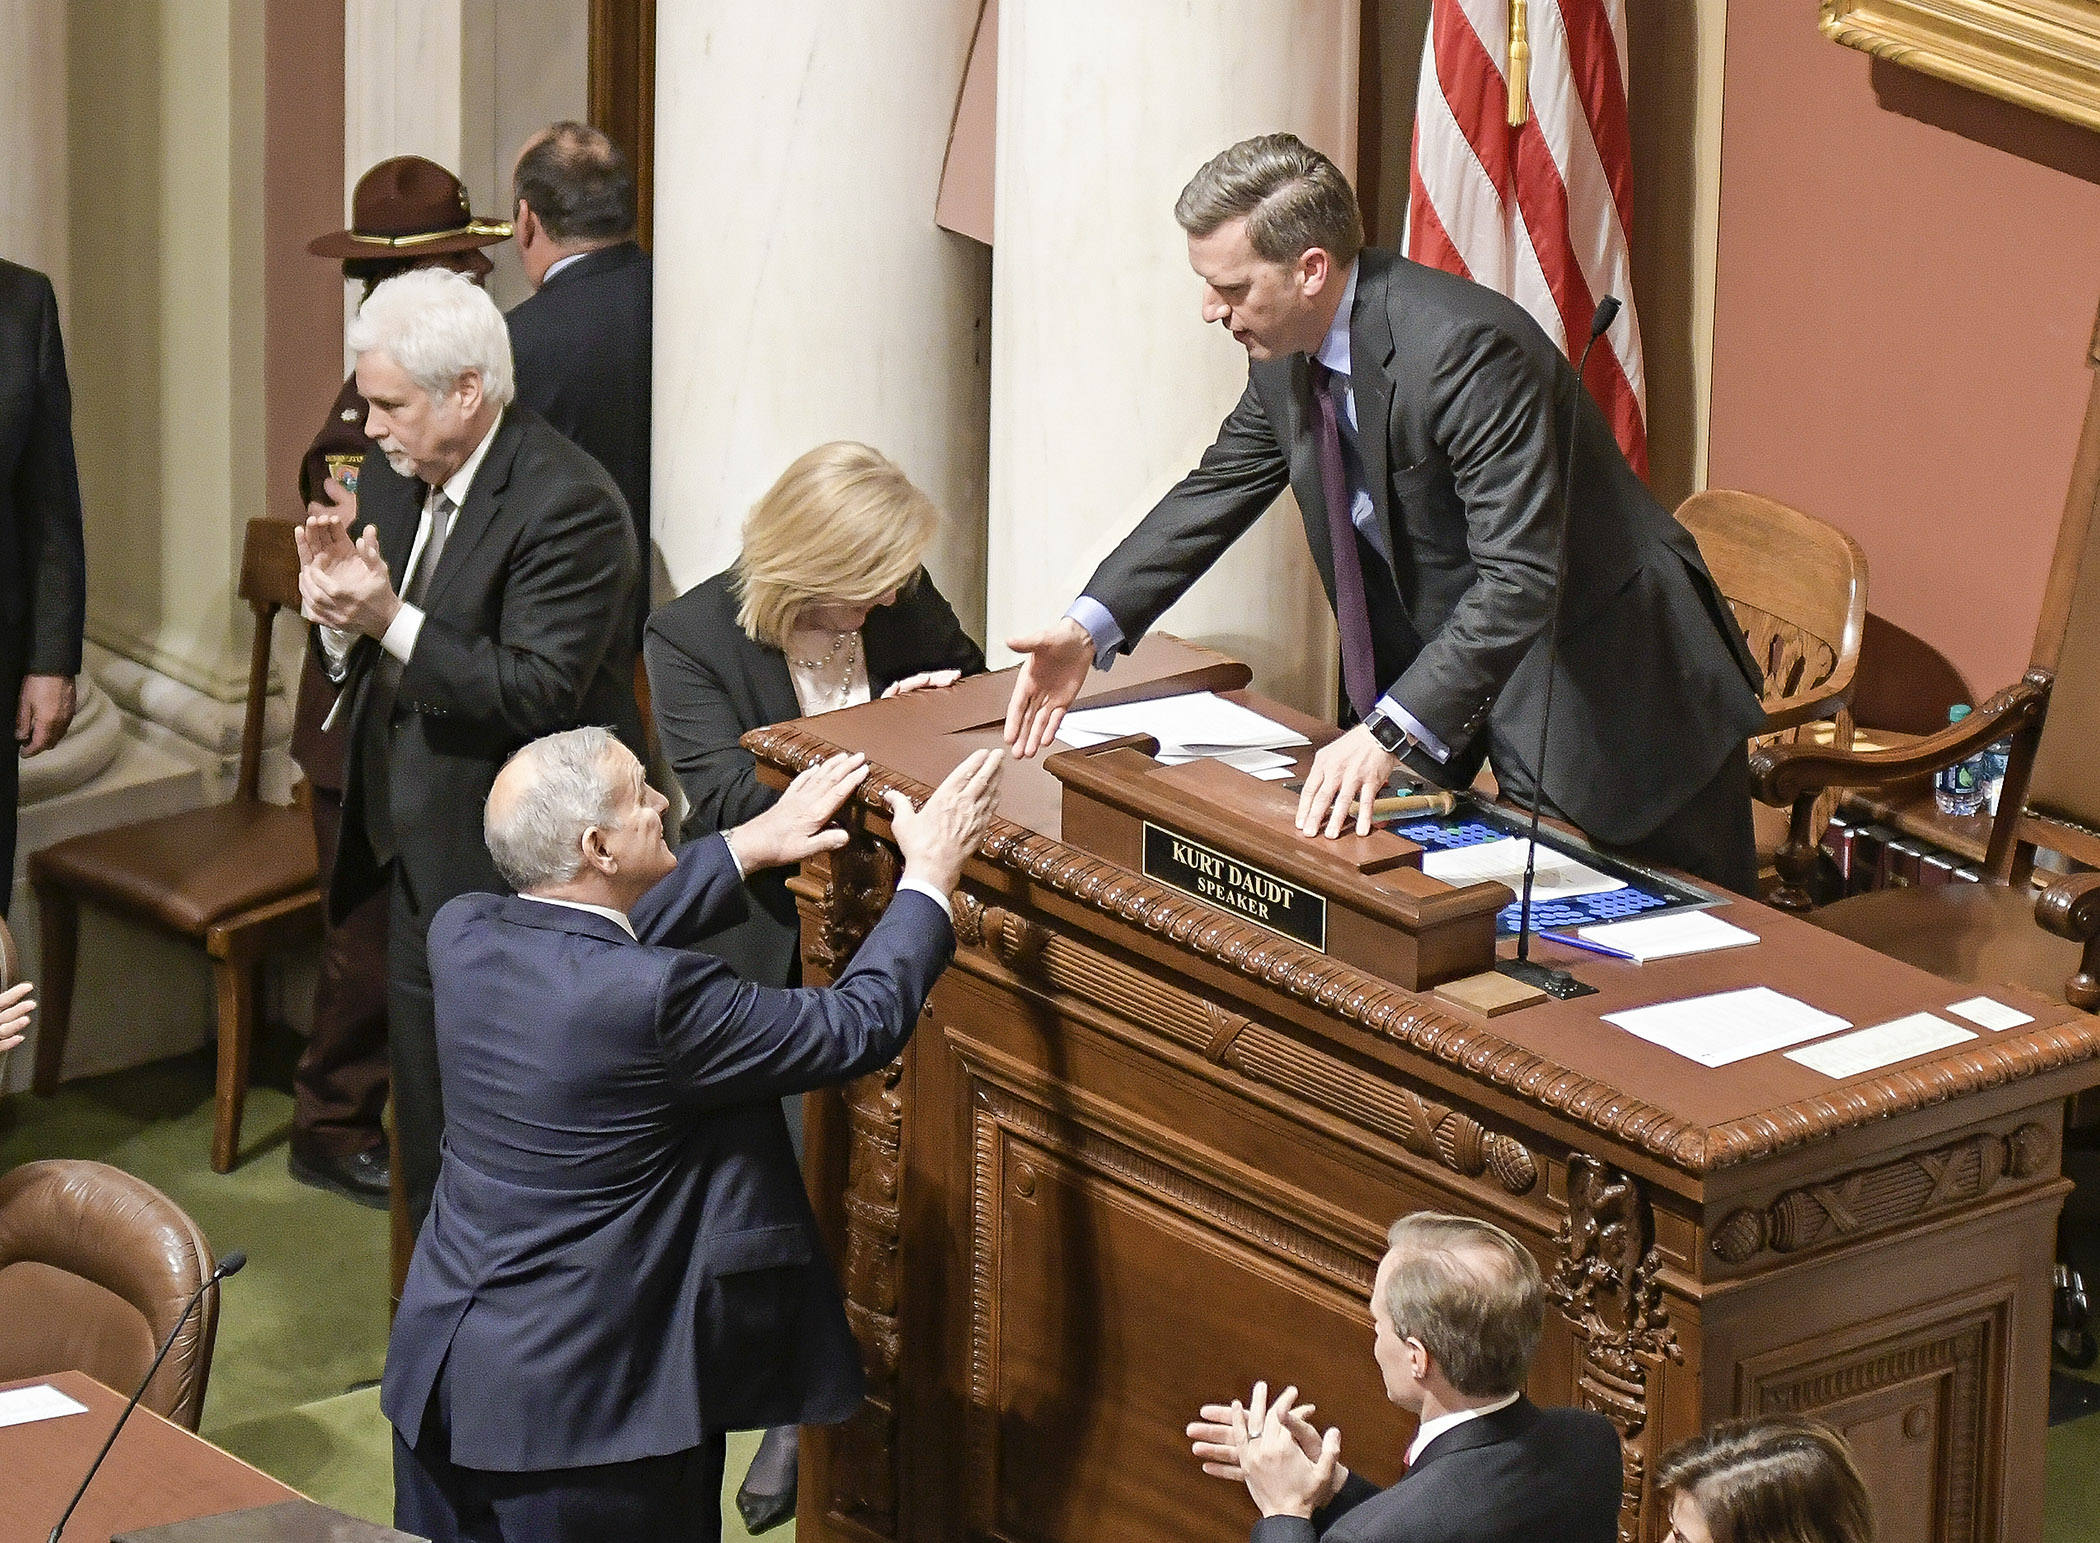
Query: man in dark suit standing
x,y
43,555
582,340
1421,420
622,1263
1456,1311
478,606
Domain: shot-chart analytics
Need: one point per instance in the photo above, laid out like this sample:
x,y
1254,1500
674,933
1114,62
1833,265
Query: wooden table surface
x,y
156,1473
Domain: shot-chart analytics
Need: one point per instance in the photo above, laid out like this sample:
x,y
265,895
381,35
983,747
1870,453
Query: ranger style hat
x,y
409,207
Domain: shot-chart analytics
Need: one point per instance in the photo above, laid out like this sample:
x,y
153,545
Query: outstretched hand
x,y
1049,682
16,1008
938,838
799,824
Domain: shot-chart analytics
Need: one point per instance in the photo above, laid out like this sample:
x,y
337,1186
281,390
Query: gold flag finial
x,y
1519,64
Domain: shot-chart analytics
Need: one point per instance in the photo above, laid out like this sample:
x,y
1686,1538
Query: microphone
x,y
230,1265
1555,983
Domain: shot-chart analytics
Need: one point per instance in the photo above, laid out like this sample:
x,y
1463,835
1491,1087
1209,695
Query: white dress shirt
x,y
1431,1429
407,625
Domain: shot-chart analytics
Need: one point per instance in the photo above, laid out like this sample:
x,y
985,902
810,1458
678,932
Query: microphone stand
x,y
1555,983
230,1265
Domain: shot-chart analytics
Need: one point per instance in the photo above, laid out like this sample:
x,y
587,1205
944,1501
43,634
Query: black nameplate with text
x,y
1235,886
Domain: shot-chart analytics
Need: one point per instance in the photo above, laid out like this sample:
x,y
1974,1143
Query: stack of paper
x,y
1729,1025
1900,1039
1557,877
1198,726
1666,937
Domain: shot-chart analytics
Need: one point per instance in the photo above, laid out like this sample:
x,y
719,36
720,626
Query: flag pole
x,y
1519,63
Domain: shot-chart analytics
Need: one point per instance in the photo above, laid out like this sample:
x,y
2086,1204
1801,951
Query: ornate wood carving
x,y
1347,995
1425,1127
1883,1195
1609,1287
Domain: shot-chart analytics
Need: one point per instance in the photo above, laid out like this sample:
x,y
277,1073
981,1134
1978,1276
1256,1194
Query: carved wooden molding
x,y
864,1464
2043,54
1868,1199
1337,991
1608,1285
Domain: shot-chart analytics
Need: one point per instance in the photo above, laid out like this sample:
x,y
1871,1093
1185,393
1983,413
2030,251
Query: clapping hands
x,y
1290,1467
343,583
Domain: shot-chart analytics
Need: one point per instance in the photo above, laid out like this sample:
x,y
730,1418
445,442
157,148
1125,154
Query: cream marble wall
x,y
1106,385
803,292
33,127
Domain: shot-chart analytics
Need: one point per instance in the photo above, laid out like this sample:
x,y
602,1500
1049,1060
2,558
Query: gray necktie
x,y
441,511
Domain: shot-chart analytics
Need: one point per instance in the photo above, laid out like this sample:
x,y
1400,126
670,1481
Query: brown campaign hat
x,y
409,207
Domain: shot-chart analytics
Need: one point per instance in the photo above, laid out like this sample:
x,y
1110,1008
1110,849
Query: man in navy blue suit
x,y
620,1262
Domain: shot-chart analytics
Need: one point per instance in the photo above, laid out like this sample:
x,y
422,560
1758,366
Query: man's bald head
x,y
578,185
546,797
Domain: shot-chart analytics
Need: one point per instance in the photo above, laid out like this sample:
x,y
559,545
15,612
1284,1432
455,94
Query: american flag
x,y
1541,211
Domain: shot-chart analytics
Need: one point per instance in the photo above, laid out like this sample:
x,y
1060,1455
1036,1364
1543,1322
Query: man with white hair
x,y
476,606
621,1263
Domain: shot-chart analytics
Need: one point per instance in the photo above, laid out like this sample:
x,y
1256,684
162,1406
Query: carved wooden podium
x,y
1143,1149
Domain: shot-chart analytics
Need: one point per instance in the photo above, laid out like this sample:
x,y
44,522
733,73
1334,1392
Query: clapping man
x,y
480,604
1457,1308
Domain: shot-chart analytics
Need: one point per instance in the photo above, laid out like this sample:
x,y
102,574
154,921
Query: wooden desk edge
x,y
1471,1048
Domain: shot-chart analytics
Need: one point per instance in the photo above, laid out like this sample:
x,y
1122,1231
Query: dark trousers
x,y
340,1085
419,1104
10,795
671,1499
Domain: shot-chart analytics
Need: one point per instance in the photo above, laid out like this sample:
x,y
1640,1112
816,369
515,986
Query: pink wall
x,y
1908,275
303,183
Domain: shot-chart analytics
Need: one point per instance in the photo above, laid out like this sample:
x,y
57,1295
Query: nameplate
x,y
1235,886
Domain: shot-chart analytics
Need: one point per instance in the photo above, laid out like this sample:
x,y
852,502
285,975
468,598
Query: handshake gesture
x,y
1289,1466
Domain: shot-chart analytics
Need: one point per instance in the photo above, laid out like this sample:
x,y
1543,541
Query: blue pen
x,y
1587,946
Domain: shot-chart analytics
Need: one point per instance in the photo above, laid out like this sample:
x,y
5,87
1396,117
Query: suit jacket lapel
x,y
1370,364
771,684
484,496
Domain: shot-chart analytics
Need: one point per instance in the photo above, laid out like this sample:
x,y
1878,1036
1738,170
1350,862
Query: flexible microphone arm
x,y
1607,313
230,1265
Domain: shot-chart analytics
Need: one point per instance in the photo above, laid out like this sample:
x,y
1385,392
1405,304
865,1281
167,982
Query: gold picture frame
x,y
2043,54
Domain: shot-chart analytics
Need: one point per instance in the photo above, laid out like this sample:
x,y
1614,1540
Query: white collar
x,y
1334,348
562,262
618,918
1431,1429
456,485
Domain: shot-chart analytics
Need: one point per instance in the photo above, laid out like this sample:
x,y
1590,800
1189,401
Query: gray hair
x,y
437,325
1292,197
1471,1294
539,840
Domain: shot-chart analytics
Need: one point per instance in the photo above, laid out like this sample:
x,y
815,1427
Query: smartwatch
x,y
1392,738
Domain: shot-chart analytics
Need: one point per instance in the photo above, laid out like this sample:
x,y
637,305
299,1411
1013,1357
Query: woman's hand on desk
x,y
1353,769
925,680
799,823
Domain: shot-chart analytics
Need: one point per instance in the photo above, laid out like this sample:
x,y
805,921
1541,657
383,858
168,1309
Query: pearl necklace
x,y
820,670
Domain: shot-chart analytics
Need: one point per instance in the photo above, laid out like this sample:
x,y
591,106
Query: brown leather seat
x,y
95,1267
189,870
241,878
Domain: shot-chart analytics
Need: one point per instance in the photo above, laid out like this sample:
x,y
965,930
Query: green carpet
x,y
302,1330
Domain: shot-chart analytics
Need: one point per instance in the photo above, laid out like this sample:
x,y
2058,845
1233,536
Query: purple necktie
x,y
1359,672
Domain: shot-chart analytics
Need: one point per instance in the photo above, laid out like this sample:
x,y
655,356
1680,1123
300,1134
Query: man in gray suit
x,y
1422,422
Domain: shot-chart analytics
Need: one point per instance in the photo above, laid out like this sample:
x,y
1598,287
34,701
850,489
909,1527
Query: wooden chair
x,y
240,877
1798,588
2003,930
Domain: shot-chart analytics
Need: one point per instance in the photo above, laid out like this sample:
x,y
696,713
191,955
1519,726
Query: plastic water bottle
x,y
1959,789
1995,760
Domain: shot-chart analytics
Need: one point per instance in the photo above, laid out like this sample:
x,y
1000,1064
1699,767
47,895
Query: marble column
x,y
803,291
1106,385
33,123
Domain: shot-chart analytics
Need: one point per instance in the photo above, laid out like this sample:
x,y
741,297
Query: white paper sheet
x,y
1199,722
1728,1026
25,1406
1558,876
1992,1015
1253,762
1666,937
1850,1055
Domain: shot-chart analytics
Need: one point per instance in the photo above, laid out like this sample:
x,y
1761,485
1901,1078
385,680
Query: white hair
x,y
437,325
540,839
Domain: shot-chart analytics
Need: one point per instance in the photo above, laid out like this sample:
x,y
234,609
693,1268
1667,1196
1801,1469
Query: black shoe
x,y
362,1176
766,1498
